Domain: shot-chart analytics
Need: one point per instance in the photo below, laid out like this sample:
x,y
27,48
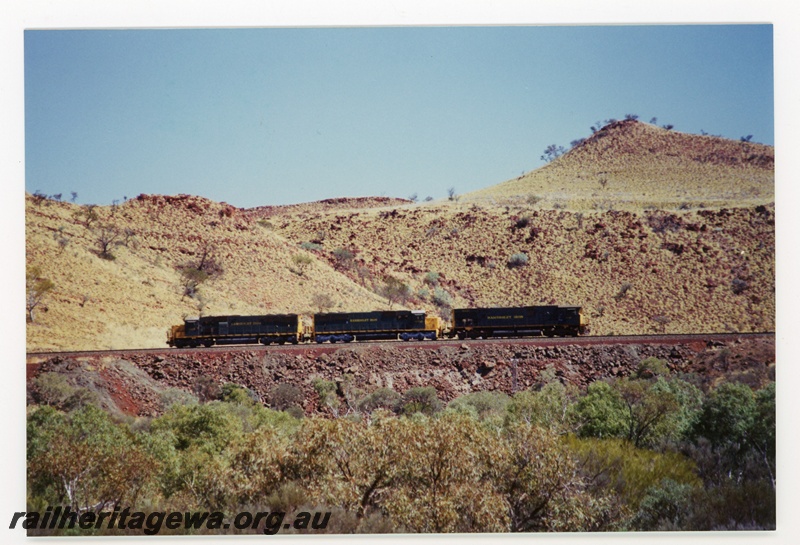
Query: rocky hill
x,y
648,229
633,165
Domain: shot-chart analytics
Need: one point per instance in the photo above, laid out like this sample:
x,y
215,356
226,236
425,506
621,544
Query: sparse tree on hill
x,y
106,235
208,262
343,259
36,288
364,274
87,215
191,278
322,301
553,152
395,290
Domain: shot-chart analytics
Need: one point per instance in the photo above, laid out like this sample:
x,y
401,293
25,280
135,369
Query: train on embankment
x,y
405,325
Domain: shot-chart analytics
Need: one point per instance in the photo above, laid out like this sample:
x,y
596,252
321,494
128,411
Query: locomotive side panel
x,y
349,326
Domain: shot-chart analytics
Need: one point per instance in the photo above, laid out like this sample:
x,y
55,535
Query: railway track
x,y
37,357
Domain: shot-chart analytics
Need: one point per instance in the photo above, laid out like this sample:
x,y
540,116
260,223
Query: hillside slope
x,y
693,267
634,165
679,272
131,301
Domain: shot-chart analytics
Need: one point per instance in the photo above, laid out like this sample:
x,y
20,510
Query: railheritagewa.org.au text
x,y
61,518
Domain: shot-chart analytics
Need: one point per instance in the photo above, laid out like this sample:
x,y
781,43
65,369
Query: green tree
x,y
551,407
539,482
762,434
647,405
552,152
665,507
727,415
440,483
97,463
601,412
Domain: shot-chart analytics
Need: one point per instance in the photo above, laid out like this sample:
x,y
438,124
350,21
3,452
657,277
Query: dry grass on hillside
x,y
632,165
130,301
698,271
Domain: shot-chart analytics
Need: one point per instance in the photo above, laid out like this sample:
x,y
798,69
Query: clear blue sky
x,y
275,116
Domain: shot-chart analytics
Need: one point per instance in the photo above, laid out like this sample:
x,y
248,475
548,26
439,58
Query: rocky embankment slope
x,y
133,383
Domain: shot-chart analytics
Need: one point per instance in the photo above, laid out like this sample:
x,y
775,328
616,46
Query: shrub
x,y
284,395
666,506
517,260
630,471
322,301
53,389
421,400
485,404
301,262
739,286
382,398
233,393
311,246
623,290
652,367
191,279
206,389
176,396
442,298
431,278
326,390
550,407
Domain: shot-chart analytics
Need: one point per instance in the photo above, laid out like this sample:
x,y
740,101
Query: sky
x,y
266,116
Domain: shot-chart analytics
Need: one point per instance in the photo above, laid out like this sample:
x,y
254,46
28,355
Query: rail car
x,y
517,322
387,325
210,330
